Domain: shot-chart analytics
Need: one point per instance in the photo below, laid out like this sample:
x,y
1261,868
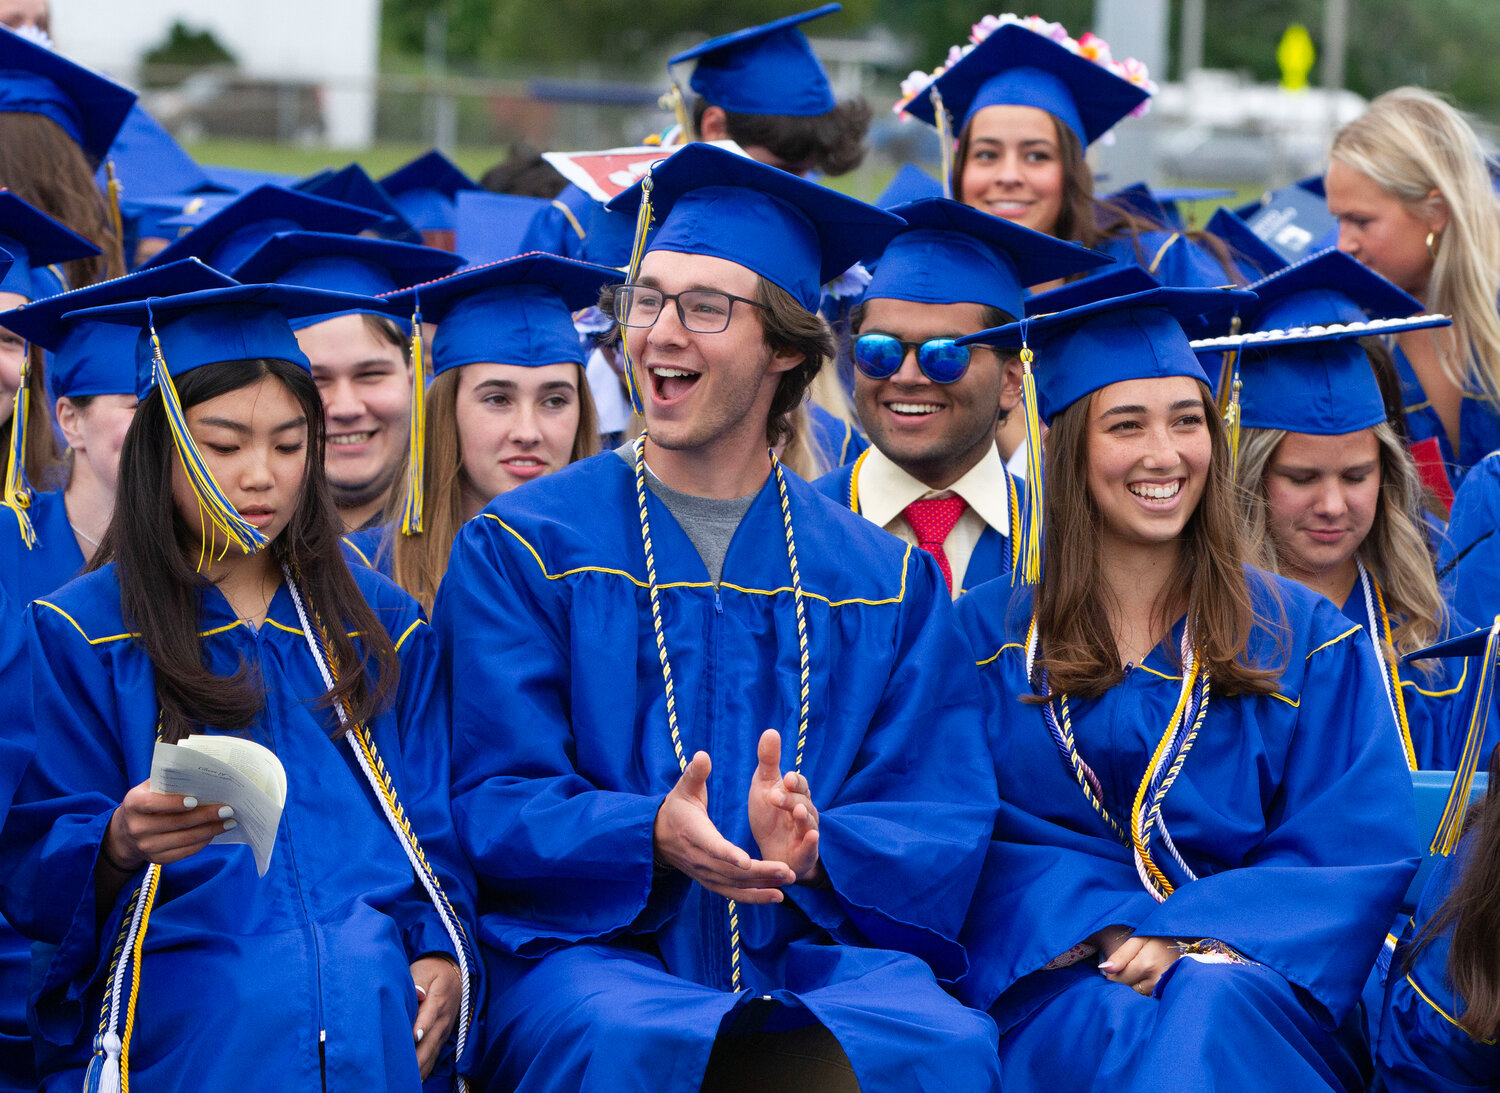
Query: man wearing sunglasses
x,y
933,475
721,760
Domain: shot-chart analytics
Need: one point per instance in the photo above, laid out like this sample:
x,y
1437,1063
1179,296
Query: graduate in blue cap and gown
x,y
57,122
934,475
1204,809
224,605
1330,495
1023,104
361,359
1441,1020
508,403
46,542
674,892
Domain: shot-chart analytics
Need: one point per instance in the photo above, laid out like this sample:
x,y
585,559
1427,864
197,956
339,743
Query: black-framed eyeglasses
x,y
701,310
941,360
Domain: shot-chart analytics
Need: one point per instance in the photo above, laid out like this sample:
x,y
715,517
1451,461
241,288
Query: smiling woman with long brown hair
x,y
1170,726
220,604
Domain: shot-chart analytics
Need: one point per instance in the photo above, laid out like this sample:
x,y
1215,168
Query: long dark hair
x,y
1079,650
1472,911
159,589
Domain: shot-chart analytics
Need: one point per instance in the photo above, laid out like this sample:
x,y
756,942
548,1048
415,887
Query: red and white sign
x,y
602,175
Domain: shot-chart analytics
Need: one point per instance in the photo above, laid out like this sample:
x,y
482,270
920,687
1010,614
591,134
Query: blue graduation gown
x,y
1469,558
1422,1048
240,973
1478,422
52,561
364,548
17,739
607,975
1296,812
838,441
991,557
1170,257
1437,705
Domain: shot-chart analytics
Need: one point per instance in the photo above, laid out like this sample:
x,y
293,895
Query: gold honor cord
x,y
416,442
1386,658
804,658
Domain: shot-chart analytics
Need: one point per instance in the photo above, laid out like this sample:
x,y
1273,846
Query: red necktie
x,y
932,518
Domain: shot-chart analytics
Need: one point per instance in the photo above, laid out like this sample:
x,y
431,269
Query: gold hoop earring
x,y
1432,240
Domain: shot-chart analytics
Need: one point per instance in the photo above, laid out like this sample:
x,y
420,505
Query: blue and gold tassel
x,y
411,508
17,490
222,515
637,252
1451,827
1030,569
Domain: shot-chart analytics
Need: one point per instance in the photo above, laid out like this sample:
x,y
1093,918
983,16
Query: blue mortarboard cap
x,y
1301,365
343,263
950,253
518,311
95,358
491,227
242,180
768,69
34,240
1252,255
87,106
1293,221
149,162
911,183
424,190
1465,645
1117,280
794,233
1139,336
1163,204
1015,66
237,322
353,186
609,238
227,237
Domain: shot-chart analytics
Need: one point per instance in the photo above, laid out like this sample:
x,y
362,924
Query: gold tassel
x,y
945,138
674,101
416,450
17,496
113,190
637,252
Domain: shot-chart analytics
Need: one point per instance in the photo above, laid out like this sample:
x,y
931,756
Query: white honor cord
x,y
1377,640
109,1081
462,1033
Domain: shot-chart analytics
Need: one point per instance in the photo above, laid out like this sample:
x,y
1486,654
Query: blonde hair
x,y
1410,143
419,561
1395,550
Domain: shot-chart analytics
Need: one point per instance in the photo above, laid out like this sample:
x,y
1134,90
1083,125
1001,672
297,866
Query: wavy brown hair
x,y
41,164
1089,220
419,561
161,590
831,143
1208,582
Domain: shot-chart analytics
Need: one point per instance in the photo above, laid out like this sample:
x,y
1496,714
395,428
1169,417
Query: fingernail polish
x,y
225,812
1107,968
190,802
421,1032
230,825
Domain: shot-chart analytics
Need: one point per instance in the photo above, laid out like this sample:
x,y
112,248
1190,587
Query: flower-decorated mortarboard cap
x,y
228,235
353,186
950,253
1015,62
33,239
177,334
1300,365
796,234
343,263
424,190
35,80
766,69
1068,355
518,311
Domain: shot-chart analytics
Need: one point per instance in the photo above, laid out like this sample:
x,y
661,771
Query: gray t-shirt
x,y
710,522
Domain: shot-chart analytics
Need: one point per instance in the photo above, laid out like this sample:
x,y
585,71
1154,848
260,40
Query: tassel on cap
x,y
676,102
637,252
17,496
1030,568
1451,827
411,509
945,138
222,515
112,193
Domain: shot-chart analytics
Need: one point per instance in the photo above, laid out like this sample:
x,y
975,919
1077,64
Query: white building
x,y
332,43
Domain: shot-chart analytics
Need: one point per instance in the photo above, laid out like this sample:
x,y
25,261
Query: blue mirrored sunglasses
x,y
879,356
